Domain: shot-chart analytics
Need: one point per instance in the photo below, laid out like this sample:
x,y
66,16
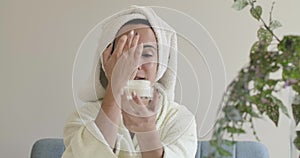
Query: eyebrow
x,y
149,46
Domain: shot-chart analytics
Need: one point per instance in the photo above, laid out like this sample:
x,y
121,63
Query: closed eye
x,y
149,51
147,55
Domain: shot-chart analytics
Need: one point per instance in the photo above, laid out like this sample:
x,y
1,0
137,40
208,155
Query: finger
x,y
125,97
134,42
129,40
106,53
138,51
120,46
127,46
153,105
125,104
136,98
134,107
140,108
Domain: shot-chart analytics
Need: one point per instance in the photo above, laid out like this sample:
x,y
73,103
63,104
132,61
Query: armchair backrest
x,y
53,148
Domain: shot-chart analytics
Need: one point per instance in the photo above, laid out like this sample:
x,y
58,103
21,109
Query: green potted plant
x,y
251,95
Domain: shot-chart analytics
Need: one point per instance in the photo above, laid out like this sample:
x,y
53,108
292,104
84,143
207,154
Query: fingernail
x,y
134,93
131,33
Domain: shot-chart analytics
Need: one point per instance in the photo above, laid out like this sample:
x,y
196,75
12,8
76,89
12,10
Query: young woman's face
x,y
148,62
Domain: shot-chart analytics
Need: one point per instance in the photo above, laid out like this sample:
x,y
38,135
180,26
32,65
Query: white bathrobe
x,y
175,124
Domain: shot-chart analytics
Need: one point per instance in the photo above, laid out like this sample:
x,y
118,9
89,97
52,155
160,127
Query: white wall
x,y
39,40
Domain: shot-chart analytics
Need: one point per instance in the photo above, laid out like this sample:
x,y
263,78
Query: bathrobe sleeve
x,y
179,135
82,137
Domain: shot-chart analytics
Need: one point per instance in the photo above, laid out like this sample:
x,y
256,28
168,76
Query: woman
x,y
114,123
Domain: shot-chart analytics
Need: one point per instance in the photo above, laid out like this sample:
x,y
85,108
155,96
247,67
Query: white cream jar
x,y
141,87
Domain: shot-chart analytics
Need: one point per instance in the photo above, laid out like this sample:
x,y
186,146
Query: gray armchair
x,y
53,148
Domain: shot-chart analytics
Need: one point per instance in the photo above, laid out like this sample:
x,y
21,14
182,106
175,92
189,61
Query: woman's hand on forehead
x,y
121,65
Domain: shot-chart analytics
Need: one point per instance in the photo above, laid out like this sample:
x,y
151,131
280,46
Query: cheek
x,y
151,67
151,70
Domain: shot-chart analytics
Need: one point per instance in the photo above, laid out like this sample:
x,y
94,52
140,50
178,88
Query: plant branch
x,y
264,23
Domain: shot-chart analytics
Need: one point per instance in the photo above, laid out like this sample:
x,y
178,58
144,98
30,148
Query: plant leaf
x,y
255,47
296,109
256,12
234,130
297,142
228,142
232,113
264,35
275,24
280,105
223,152
239,4
290,43
273,113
